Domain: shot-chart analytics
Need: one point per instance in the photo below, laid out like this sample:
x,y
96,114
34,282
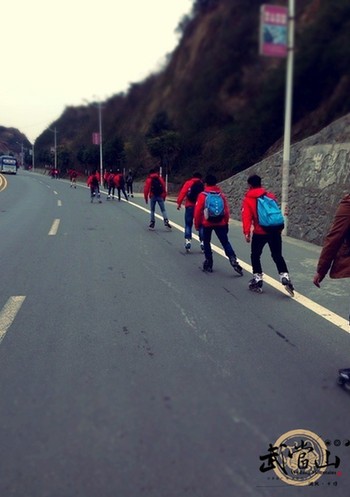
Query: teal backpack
x,y
214,207
270,216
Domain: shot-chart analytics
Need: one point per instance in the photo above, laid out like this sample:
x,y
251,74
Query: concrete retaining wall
x,y
319,177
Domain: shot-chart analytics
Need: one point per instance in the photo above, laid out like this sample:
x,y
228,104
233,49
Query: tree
x,y
165,147
113,152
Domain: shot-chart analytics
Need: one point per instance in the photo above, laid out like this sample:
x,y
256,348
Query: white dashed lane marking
x,y
9,312
54,227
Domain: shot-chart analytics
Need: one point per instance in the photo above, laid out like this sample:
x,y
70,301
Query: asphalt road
x,y
125,371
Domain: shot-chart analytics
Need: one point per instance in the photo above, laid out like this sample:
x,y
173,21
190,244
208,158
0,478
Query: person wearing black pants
x,y
274,241
261,237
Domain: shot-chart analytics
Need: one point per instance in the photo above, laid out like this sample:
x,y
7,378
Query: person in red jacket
x,y
212,213
105,179
119,181
155,191
111,185
260,237
73,178
189,192
94,183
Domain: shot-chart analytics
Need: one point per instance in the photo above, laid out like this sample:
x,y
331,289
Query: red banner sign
x,y
96,138
273,31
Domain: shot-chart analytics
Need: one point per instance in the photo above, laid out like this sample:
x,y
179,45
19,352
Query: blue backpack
x,y
269,214
214,207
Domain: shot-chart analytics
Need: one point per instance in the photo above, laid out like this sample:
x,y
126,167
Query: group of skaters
x,y
206,207
112,181
116,180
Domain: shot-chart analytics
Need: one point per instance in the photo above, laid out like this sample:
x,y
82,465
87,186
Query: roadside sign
x,y
273,31
96,138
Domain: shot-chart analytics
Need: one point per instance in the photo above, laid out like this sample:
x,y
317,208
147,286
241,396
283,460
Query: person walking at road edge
x,y
335,258
335,254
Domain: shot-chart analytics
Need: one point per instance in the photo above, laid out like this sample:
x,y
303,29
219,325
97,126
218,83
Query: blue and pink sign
x,y
273,31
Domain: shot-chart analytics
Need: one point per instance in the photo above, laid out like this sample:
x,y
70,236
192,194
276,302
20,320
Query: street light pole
x,y
99,106
288,115
55,145
54,131
22,154
33,158
100,133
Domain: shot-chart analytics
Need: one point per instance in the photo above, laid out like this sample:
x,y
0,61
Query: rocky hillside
x,y
217,105
11,140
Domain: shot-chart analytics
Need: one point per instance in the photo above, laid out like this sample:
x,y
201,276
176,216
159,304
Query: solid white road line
x,y
321,311
8,313
54,227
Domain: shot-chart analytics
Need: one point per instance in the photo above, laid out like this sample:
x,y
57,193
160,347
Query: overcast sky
x,y
60,53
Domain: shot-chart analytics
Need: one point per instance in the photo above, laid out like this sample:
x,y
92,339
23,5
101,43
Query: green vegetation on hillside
x,y
217,104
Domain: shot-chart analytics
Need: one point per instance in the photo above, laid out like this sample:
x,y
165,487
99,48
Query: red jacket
x,y
183,193
119,180
91,177
147,188
110,178
199,219
249,214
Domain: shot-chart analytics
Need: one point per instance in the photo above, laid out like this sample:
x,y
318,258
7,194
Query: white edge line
x,y
318,309
8,313
321,311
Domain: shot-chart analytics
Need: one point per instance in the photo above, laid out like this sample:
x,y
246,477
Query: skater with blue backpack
x,y
262,215
212,213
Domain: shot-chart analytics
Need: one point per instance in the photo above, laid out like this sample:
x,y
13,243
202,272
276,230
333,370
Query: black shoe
x,y
255,284
151,225
288,285
207,266
235,264
167,224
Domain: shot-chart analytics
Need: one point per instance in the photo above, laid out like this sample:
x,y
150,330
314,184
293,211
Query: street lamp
x,y
33,157
54,131
99,142
288,116
22,154
100,135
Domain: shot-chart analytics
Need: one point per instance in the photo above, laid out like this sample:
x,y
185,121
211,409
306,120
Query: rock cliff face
x,y
319,177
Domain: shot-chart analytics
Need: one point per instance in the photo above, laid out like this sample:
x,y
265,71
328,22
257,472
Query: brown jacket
x,y
335,254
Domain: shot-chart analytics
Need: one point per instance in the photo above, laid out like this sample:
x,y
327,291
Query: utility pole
x,y
288,115
54,131
55,145
100,133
